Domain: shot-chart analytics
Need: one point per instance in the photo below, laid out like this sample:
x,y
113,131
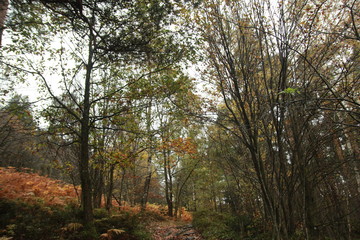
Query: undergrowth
x,y
40,208
223,226
37,221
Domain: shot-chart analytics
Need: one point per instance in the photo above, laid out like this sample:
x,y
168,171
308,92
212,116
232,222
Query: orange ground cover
x,y
31,187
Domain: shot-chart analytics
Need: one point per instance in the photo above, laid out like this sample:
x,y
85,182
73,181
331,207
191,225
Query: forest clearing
x,y
180,119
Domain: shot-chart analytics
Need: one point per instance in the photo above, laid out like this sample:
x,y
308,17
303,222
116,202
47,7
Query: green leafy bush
x,y
214,225
151,216
224,226
38,221
101,213
29,221
130,223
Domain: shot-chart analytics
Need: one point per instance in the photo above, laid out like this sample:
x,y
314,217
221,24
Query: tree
x,y
278,74
3,11
95,39
18,134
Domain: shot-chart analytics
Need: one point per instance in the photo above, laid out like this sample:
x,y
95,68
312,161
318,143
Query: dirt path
x,y
171,230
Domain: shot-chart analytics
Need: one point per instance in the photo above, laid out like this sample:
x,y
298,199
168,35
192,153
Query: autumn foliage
x,y
158,212
31,187
181,146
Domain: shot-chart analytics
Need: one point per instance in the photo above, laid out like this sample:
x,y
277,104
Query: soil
x,y
173,230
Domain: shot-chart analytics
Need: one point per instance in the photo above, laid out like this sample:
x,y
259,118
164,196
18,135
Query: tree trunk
x,y
100,164
98,186
84,172
145,196
309,209
84,141
353,145
110,188
4,5
194,197
168,185
147,183
178,208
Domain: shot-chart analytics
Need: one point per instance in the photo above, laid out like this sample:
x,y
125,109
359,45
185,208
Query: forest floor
x,y
173,230
32,188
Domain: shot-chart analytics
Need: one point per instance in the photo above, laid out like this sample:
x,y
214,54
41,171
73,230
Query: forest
x,y
180,119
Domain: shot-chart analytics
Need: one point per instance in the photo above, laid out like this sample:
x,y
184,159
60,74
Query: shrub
x,y
101,213
38,221
224,226
29,221
151,216
130,223
214,225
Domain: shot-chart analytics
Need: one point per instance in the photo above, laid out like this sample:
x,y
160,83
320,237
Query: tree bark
x,y
84,141
110,188
98,186
147,182
4,5
168,183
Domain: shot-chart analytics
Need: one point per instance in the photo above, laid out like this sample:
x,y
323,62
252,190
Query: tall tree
x,y
278,74
89,38
18,134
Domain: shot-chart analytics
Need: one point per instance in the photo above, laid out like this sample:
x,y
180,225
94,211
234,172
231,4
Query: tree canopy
x,y
243,112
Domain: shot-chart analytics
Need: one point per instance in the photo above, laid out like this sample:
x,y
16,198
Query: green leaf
x,y
291,91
